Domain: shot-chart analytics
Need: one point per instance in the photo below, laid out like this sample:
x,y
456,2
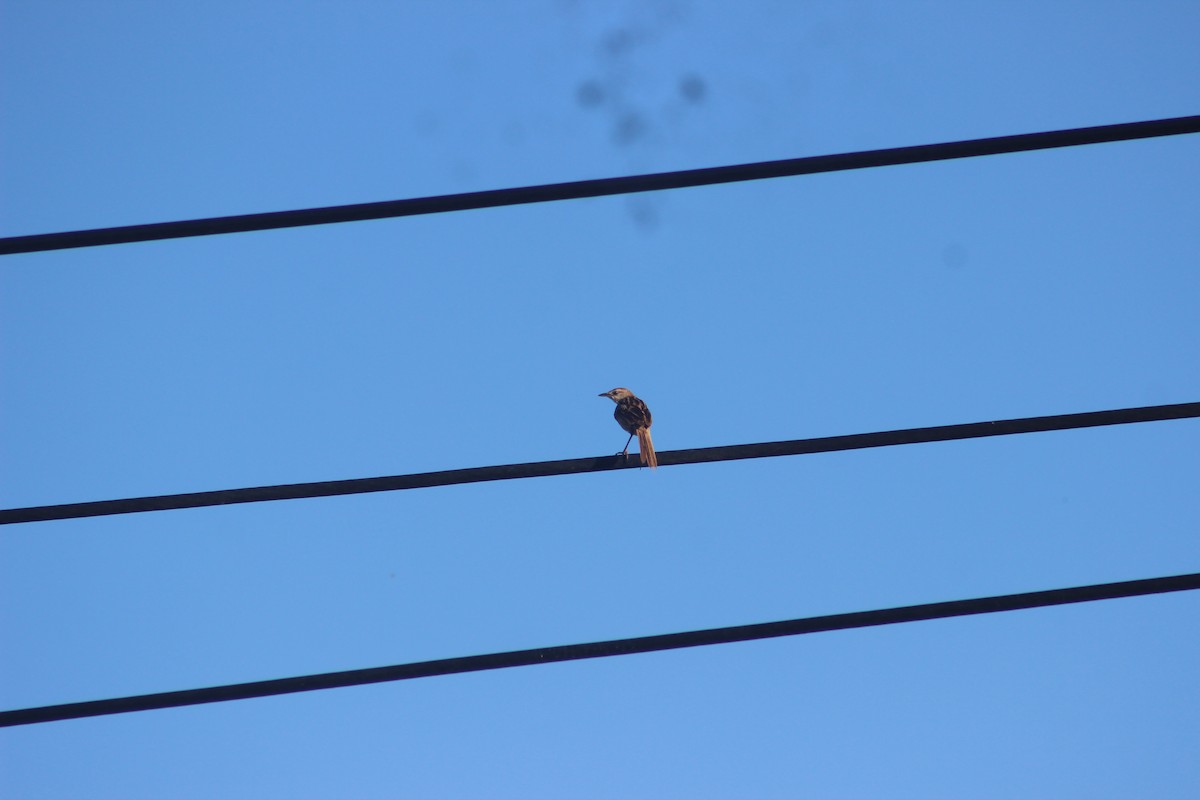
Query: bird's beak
x,y
604,394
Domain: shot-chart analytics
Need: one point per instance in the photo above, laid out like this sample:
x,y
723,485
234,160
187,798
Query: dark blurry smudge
x,y
693,89
644,212
619,41
630,127
590,94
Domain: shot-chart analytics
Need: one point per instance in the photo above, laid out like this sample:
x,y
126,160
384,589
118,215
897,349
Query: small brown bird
x,y
633,416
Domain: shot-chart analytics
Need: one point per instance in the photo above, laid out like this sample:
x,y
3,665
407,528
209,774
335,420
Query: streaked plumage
x,y
634,418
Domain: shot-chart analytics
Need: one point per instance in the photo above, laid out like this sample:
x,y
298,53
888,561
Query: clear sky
x,y
1019,285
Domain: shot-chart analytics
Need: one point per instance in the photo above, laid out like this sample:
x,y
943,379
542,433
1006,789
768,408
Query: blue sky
x,y
1008,286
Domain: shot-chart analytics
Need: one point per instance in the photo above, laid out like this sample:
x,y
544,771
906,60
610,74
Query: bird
x,y
634,417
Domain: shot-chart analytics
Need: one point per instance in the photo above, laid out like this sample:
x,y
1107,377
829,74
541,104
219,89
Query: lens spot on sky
x,y
619,41
693,89
590,94
644,212
630,127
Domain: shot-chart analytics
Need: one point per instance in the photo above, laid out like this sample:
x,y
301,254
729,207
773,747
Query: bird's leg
x,y
625,452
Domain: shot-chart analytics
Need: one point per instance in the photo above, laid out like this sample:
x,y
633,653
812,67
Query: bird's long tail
x,y
646,448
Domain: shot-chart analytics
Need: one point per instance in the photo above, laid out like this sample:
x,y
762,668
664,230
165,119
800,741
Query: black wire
x,y
615,647
601,187
540,469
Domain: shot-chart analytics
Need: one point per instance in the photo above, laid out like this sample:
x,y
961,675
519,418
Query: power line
x,y
614,647
601,187
539,469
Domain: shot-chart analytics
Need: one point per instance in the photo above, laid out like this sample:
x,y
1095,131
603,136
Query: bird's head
x,y
616,395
